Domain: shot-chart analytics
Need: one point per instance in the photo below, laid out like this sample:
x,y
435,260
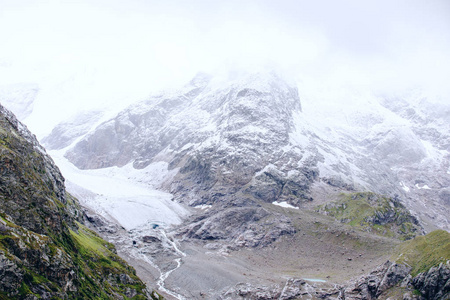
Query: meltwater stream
x,y
127,200
164,275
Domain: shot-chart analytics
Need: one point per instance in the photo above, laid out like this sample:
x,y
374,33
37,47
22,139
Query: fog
x,y
92,53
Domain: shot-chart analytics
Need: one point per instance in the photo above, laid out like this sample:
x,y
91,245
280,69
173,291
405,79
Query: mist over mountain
x,y
228,150
252,161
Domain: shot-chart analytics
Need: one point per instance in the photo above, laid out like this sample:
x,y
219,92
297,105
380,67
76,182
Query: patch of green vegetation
x,y
373,213
3,296
156,296
25,291
424,252
96,258
98,269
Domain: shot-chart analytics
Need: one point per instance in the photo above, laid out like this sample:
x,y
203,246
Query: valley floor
x,y
141,222
323,252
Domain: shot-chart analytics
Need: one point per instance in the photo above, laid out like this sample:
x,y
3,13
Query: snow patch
x,y
284,204
203,206
314,280
424,187
404,187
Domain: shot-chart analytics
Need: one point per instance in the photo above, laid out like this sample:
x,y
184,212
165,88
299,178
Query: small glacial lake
x,y
314,279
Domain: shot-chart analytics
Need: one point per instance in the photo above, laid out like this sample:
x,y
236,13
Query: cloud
x,y
127,49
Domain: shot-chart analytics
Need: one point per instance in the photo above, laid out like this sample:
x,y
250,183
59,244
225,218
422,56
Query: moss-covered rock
x,y
374,213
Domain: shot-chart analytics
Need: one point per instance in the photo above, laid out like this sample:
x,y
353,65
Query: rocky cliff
x,y
45,253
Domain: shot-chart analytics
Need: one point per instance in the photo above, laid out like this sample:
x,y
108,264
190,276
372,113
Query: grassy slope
x,y
424,252
96,258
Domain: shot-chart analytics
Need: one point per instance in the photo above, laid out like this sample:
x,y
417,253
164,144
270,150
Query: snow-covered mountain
x,y
245,138
239,178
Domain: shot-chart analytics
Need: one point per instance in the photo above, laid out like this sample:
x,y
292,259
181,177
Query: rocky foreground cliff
x,y
45,250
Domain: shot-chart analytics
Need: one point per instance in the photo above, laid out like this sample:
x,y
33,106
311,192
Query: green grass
x,y
424,252
96,258
92,246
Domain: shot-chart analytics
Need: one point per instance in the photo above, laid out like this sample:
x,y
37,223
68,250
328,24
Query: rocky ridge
x,y
44,251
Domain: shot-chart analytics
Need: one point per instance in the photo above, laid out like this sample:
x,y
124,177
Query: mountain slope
x,y
253,164
44,251
248,135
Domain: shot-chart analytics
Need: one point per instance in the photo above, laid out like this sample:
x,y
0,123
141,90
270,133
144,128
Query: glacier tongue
x,y
119,195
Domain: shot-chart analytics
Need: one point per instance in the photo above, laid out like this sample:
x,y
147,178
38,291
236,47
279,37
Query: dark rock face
x,y
434,284
31,186
43,249
378,281
11,276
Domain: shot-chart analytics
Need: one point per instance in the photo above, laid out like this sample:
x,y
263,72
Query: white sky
x,y
86,52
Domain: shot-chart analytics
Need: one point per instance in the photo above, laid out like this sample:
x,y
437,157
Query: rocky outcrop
x,y
45,252
373,285
239,226
435,283
293,289
374,213
395,279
